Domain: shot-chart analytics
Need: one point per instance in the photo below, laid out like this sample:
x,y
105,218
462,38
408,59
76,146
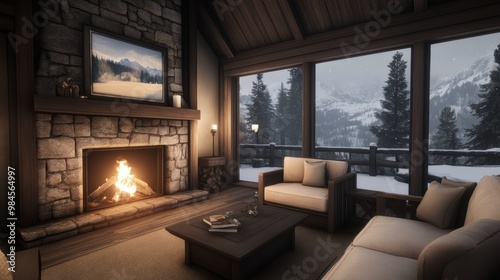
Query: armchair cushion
x,y
314,173
293,170
298,195
439,205
335,169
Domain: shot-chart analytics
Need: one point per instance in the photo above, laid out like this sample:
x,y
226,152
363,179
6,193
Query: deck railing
x,y
371,160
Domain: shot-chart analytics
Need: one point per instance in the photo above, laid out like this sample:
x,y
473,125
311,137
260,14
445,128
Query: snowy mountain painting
x,y
126,70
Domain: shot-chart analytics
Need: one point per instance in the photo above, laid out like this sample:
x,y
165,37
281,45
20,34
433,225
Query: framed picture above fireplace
x,y
123,69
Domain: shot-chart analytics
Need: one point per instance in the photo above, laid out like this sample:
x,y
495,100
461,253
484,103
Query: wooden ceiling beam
x,y
403,30
292,19
215,33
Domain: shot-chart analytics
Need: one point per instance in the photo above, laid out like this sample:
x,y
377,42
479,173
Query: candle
x,y
214,128
177,100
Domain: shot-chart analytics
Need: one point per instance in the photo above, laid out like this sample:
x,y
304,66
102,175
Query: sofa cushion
x,y
439,205
314,173
298,195
397,236
464,202
470,252
362,263
483,203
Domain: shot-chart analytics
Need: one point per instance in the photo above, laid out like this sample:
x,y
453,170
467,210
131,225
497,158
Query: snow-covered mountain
x,y
477,73
459,91
136,65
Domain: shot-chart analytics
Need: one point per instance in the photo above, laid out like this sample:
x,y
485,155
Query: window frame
x,y
419,97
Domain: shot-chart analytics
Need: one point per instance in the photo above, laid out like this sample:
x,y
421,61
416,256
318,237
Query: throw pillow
x,y
314,173
464,202
439,206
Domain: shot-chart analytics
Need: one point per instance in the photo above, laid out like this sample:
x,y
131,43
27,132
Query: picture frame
x,y
117,67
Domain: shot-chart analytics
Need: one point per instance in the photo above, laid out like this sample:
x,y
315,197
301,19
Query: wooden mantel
x,y
77,106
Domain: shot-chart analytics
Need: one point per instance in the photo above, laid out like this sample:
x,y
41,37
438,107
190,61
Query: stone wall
x,y
59,44
61,139
59,57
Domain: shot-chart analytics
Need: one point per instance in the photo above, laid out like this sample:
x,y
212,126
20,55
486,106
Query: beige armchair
x,y
313,186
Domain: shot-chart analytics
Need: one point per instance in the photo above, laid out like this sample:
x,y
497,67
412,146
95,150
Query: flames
x,y
125,180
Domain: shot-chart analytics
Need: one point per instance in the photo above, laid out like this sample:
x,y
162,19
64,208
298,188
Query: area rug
x,y
160,255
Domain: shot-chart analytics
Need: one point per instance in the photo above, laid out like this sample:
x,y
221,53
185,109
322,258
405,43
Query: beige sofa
x,y
313,186
431,247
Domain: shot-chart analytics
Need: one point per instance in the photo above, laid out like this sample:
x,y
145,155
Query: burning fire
x,y
125,180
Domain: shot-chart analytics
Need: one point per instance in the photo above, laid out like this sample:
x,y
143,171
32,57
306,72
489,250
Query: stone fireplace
x,y
63,139
67,126
115,176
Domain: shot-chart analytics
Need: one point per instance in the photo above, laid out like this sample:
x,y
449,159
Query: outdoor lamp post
x,y
213,130
255,128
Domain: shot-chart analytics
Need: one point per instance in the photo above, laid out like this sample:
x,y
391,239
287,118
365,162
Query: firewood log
x,y
143,187
95,195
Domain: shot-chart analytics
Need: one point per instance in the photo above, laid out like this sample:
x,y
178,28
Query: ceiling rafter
x,y
292,19
217,34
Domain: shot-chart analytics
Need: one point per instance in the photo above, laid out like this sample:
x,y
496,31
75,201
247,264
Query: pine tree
x,y
395,128
294,111
281,121
486,133
261,110
446,136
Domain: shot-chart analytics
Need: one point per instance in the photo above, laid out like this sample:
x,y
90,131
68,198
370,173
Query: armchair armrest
x,y
402,205
338,204
267,179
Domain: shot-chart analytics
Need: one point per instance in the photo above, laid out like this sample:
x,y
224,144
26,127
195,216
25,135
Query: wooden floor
x,y
70,248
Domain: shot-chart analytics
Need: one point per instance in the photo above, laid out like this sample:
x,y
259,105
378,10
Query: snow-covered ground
x,y
388,183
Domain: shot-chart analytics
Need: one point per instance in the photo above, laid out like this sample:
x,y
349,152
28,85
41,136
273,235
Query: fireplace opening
x,y
114,176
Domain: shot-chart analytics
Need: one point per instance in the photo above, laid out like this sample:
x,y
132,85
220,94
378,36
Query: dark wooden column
x,y
419,119
308,110
25,144
189,81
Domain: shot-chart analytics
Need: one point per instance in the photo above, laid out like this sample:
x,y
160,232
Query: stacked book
x,y
222,223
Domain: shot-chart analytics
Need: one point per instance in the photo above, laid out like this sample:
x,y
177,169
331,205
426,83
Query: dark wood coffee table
x,y
238,255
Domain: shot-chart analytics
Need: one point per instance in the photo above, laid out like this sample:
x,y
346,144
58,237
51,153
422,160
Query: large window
x,y
464,116
363,115
270,120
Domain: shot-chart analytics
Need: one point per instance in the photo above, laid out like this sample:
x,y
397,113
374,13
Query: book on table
x,y
228,229
222,223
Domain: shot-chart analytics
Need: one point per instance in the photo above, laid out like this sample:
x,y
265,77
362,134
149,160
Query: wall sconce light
x,y
213,130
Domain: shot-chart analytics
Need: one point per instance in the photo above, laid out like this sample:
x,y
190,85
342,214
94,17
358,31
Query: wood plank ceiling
x,y
235,26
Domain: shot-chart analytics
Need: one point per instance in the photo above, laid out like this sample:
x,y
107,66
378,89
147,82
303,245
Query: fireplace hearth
x,y
114,176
